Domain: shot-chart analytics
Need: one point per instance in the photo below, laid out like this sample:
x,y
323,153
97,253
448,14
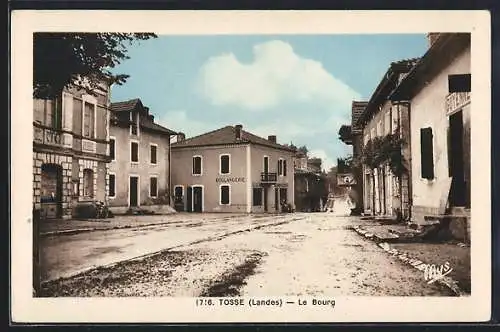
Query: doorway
x,y
266,208
458,190
133,191
51,191
197,199
276,199
189,199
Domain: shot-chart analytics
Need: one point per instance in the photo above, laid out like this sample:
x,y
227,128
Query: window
x,y
134,152
225,194
112,148
257,196
112,185
284,167
197,166
280,167
88,183
48,112
178,194
153,186
426,153
133,124
224,165
153,148
88,120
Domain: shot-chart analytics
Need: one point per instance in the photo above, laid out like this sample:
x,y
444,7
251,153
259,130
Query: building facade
x,y
386,192
353,135
70,150
311,188
440,129
231,170
139,170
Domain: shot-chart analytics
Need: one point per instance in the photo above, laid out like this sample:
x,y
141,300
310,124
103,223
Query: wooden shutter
x,y
426,153
284,167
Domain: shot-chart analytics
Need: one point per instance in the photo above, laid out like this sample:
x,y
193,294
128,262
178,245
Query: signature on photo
x,y
434,272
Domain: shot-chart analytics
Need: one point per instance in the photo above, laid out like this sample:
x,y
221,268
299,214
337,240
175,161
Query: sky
x,y
297,87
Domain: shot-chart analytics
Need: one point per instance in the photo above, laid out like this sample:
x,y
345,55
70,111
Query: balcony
x,y
268,178
47,135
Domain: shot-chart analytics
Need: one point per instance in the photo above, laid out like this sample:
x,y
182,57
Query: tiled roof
x,y
157,127
125,106
227,135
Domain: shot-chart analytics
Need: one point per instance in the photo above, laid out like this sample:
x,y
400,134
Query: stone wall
x,y
41,158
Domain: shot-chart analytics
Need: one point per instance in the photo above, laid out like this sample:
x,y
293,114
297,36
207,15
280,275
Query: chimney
x,y
180,137
238,129
431,38
152,117
271,138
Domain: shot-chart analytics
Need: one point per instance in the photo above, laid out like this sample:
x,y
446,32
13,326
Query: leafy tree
x,y
303,149
63,59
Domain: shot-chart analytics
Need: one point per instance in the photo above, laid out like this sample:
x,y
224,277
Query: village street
x,y
229,255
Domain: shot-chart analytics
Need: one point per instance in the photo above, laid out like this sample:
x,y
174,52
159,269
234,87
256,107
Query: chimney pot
x,y
238,129
271,138
180,137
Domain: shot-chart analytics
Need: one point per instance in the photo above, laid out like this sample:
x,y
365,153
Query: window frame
x,y
228,166
151,155
93,101
193,165
112,138
153,176
86,171
229,194
138,151
280,167
114,185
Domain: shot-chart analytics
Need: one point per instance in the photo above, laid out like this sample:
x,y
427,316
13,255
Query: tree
x,y
83,59
303,149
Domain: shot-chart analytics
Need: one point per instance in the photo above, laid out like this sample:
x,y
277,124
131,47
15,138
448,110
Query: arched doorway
x,y
51,191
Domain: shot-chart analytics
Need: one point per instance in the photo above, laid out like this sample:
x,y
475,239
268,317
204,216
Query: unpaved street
x,y
288,255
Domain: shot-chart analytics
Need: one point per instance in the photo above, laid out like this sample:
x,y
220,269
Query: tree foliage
x,y
386,149
63,59
303,149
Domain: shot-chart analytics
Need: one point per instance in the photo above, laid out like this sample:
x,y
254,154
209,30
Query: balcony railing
x,y
48,136
266,177
455,101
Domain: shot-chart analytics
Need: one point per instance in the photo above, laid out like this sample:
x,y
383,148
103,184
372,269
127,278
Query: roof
x,y
126,106
386,86
225,136
445,46
145,123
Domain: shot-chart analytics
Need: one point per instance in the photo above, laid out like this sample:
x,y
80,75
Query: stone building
x,y
311,188
353,135
139,171
232,170
386,193
437,93
70,150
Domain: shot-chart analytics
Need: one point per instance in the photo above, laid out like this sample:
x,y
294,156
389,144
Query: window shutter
x,y
426,153
284,167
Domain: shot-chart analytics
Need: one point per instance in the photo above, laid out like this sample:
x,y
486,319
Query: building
x,y
311,188
437,94
232,170
386,148
353,135
139,171
70,150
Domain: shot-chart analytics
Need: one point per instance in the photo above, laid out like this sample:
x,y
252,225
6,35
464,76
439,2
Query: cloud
x,y
178,120
276,76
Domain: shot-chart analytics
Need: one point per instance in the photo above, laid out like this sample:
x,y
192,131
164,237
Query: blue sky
x,y
297,87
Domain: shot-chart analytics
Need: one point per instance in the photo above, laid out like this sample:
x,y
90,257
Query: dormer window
x,y
134,123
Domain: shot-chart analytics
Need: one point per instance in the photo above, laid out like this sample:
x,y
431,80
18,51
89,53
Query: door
x,y
189,199
458,190
265,199
133,191
51,191
197,199
276,199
